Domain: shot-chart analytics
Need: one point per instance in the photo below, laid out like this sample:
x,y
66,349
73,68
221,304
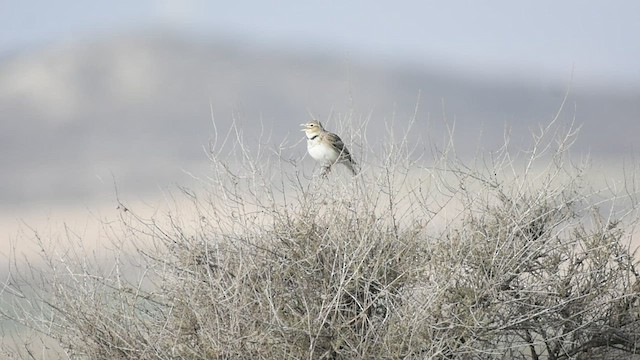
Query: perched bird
x,y
327,147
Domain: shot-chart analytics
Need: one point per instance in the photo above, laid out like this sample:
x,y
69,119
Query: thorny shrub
x,y
509,258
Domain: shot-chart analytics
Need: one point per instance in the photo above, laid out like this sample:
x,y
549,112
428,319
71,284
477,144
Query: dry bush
x,y
507,258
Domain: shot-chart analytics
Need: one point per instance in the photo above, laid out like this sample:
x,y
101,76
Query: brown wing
x,y
337,143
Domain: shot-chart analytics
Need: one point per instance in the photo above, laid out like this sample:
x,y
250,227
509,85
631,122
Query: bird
x,y
327,147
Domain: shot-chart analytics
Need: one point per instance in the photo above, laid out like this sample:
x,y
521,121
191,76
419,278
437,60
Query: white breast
x,y
322,153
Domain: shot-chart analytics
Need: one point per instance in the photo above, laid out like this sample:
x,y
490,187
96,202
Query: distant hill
x,y
138,107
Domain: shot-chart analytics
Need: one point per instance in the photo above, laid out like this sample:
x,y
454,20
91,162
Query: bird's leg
x,y
325,171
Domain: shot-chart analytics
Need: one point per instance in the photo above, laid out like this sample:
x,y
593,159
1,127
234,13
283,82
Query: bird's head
x,y
311,128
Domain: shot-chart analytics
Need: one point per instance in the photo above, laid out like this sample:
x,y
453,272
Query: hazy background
x,y
97,92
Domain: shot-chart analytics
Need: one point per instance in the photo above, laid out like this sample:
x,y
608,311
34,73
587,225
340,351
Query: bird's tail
x,y
352,166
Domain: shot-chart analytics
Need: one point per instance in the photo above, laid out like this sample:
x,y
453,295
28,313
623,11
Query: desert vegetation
x,y
510,255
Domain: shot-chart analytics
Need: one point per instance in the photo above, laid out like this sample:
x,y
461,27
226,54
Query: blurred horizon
x,y
93,110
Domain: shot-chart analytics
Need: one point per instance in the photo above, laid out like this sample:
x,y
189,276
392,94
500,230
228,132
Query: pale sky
x,y
533,39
